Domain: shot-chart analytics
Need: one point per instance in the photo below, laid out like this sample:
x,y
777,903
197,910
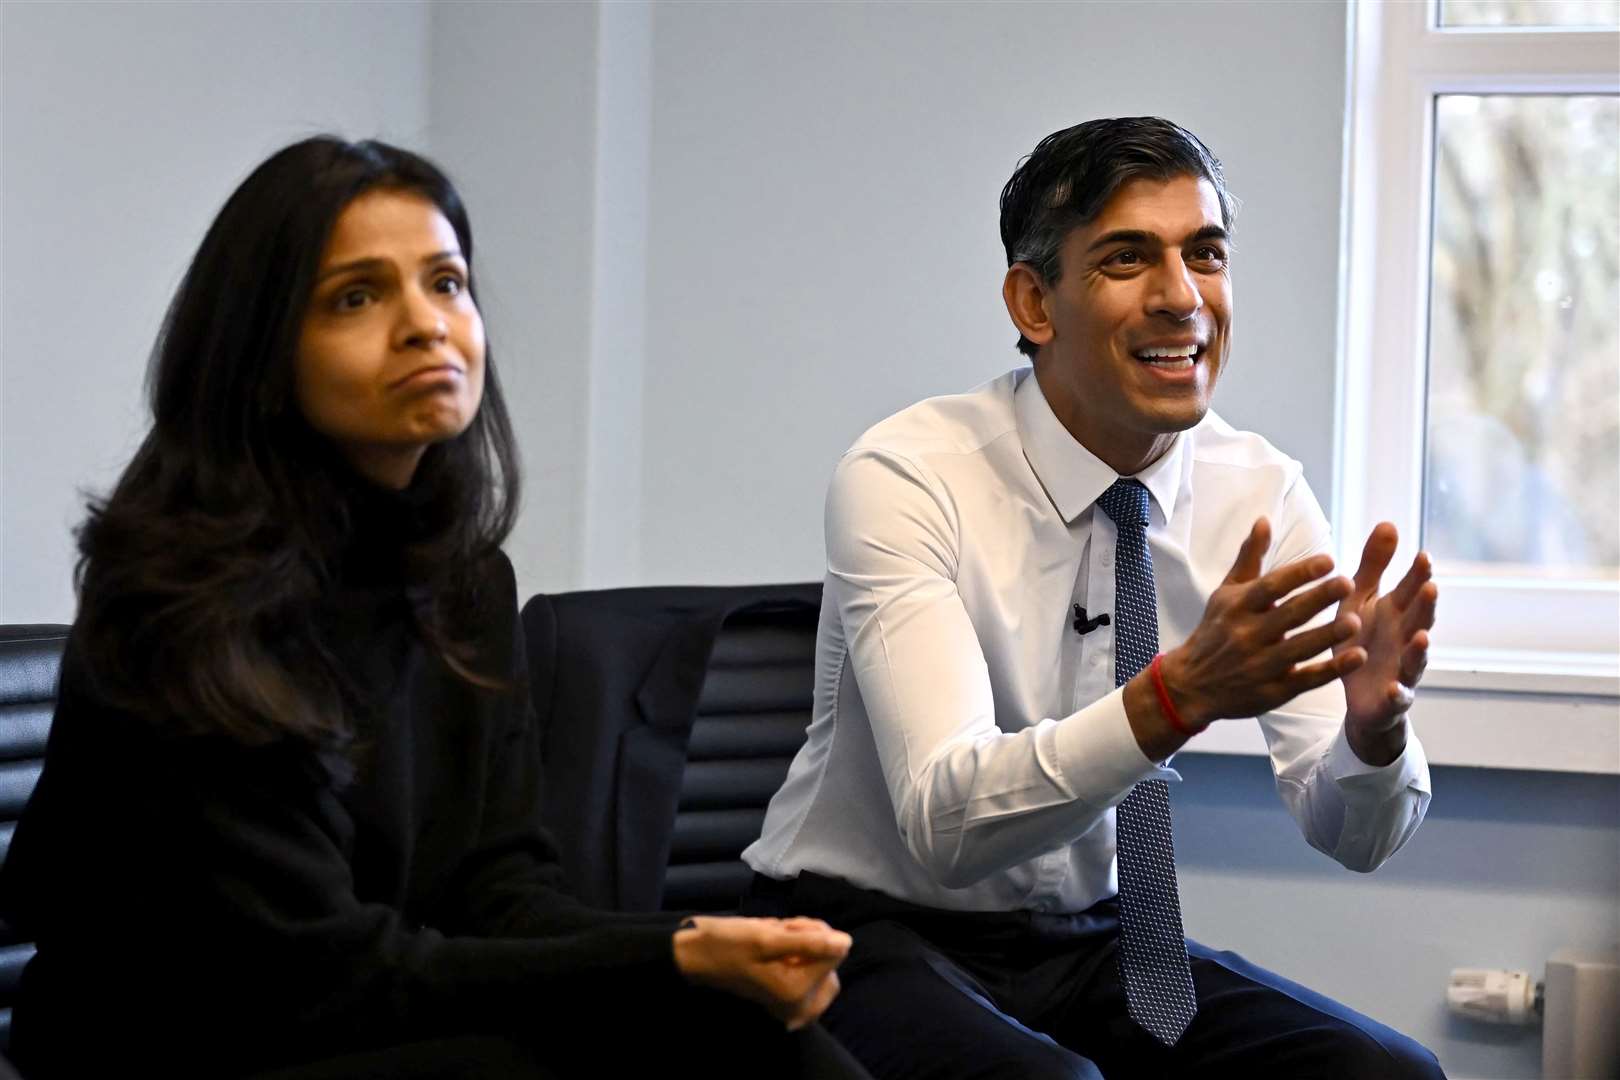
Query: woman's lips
x,y
429,375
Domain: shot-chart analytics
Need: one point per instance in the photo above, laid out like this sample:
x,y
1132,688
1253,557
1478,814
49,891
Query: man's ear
x,y
1025,295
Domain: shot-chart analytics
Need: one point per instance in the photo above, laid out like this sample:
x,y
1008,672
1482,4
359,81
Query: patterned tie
x,y
1152,947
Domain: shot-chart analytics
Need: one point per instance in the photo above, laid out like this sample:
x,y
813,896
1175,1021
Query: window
x,y
1480,374
1519,14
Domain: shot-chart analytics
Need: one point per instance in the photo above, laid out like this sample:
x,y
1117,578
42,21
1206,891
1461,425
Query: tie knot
x,y
1126,502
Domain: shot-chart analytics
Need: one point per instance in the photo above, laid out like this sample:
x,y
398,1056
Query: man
x,y
1039,591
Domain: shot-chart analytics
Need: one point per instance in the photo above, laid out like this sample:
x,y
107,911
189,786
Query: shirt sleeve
x,y
969,798
1358,814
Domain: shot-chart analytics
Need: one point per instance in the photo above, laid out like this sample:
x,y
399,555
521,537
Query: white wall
x,y
124,128
513,119
824,245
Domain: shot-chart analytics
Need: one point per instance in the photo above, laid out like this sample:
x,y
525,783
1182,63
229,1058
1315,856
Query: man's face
x,y
1140,320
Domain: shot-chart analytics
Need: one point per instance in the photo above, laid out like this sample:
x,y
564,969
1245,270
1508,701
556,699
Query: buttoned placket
x,y
1094,674
1093,671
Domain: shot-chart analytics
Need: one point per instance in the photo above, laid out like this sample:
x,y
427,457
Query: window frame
x,y
1547,635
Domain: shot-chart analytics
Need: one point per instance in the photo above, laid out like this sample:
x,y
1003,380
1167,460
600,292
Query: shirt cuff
x,y
1410,770
1097,755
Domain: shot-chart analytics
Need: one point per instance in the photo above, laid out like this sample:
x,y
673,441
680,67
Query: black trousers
x,y
989,995
810,1054
703,1033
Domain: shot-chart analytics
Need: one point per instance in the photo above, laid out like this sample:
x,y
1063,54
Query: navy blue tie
x,y
1152,945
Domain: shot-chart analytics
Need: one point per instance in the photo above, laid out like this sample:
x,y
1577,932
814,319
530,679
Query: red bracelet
x,y
1164,699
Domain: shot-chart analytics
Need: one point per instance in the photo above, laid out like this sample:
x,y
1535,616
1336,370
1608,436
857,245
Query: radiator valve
x,y
1495,996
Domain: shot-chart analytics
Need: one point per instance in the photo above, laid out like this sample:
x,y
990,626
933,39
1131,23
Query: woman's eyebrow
x,y
344,268
371,263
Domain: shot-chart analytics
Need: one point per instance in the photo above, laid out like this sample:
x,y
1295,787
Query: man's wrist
x,y
1376,744
1167,703
1192,715
1155,736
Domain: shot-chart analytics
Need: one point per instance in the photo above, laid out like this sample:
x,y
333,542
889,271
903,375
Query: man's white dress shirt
x,y
967,746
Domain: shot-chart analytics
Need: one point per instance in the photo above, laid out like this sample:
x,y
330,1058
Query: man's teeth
x,y
1173,358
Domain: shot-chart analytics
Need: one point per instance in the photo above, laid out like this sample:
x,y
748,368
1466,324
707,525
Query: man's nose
x,y
1175,291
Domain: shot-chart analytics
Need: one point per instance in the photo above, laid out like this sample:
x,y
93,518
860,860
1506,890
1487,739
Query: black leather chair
x,y
30,660
670,718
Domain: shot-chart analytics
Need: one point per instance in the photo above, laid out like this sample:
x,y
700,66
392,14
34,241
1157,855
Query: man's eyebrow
x,y
375,264
1125,236
1148,238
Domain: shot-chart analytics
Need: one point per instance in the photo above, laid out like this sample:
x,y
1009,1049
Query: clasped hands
x,y
1248,655
787,965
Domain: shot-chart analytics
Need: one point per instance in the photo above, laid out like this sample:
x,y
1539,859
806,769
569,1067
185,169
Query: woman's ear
x,y
1025,295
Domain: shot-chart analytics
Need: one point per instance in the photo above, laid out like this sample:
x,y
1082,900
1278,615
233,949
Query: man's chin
x,y
1182,416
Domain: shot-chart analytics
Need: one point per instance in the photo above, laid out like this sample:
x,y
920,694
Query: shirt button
x,y
1107,558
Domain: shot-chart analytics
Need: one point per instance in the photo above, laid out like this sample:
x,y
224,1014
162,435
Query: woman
x,y
292,758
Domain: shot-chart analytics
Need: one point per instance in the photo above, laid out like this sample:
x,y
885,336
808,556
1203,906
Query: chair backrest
x,y
670,716
30,661
751,720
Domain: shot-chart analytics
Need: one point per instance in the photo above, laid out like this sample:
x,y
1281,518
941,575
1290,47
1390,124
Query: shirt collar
x,y
1072,475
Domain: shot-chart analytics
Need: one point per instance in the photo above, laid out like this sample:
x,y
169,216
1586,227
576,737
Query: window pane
x,y
1568,14
1523,439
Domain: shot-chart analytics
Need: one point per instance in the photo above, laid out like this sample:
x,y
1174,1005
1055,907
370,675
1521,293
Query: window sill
x,y
1496,711
1514,672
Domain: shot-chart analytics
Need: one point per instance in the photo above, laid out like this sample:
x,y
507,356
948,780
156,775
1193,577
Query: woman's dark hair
x,y
198,575
1073,173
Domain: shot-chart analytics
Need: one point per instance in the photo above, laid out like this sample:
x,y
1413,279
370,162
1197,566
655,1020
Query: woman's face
x,y
391,353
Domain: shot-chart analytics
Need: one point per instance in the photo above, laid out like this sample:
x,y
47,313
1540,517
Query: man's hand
x,y
1243,659
786,965
1394,643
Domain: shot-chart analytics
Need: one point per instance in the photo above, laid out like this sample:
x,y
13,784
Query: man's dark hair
x,y
199,573
1073,173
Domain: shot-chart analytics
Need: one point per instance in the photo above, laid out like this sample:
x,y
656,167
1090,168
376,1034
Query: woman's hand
x,y
787,965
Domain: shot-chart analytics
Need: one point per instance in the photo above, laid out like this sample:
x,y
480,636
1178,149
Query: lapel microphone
x,y
1083,625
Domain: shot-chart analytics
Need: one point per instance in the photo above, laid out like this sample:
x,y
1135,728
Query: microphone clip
x,y
1083,625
